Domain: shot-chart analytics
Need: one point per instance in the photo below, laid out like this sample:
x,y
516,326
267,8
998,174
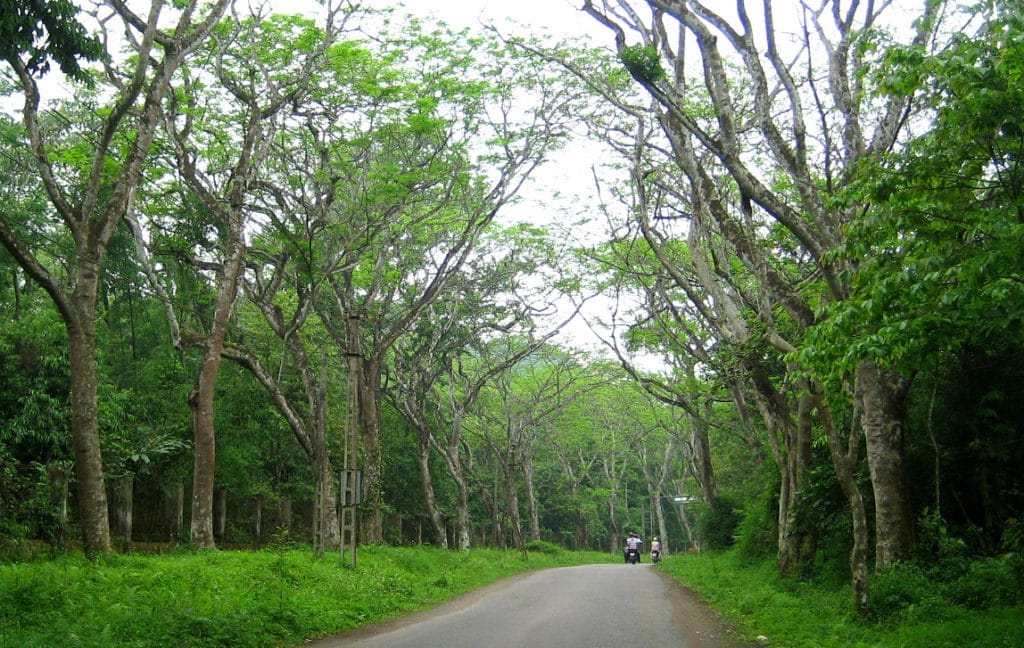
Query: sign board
x,y
351,488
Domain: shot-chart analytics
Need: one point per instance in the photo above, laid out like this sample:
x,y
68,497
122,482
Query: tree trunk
x,y
57,477
453,460
790,444
794,550
284,516
497,529
702,450
881,394
91,490
579,535
512,508
327,502
220,509
429,499
845,457
257,521
373,488
201,399
123,509
462,528
531,496
175,511
613,525
684,522
659,518
204,456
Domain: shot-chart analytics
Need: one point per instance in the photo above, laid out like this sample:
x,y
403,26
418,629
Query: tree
x,y
434,184
90,201
939,265
771,130
939,270
222,163
479,327
44,31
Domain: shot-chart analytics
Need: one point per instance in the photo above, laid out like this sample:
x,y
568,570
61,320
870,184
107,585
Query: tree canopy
x,y
814,233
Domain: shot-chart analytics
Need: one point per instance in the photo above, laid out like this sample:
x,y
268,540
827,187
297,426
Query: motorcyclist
x,y
633,542
655,549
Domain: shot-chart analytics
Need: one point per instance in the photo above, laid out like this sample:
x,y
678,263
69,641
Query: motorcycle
x,y
632,556
656,556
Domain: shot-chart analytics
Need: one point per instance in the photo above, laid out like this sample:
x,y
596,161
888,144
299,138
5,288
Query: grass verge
x,y
795,613
222,598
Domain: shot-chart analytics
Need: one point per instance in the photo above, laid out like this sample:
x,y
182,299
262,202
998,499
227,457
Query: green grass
x,y
266,598
917,613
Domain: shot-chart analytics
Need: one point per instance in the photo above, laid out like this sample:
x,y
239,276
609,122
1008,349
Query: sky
x,y
562,189
561,17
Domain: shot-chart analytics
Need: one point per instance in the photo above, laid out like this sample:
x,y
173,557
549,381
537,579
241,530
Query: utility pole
x,y
350,487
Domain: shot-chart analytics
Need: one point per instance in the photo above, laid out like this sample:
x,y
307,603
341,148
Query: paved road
x,y
593,606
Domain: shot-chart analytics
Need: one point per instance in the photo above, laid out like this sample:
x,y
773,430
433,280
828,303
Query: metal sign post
x,y
350,486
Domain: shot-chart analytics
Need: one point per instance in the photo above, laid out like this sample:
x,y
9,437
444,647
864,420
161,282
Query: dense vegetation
x,y
815,241
975,604
276,597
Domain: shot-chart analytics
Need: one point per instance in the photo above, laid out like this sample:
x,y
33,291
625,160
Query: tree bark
x,y
515,519
429,498
257,521
373,487
57,477
175,499
882,394
684,522
91,490
845,455
786,439
220,509
614,535
702,450
531,494
123,506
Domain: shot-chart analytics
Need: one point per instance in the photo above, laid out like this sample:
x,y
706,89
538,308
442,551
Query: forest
x,y
274,277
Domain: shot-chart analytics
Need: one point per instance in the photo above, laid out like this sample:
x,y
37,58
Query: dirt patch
x,y
702,626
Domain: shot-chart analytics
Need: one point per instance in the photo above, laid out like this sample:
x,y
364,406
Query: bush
x,y
540,546
717,528
757,531
986,584
898,588
944,555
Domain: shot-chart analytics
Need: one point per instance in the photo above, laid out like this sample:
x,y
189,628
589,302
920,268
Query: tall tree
x,y
796,128
463,153
221,132
482,325
91,201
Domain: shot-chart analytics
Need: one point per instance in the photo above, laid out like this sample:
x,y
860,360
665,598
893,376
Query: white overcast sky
x,y
562,190
559,17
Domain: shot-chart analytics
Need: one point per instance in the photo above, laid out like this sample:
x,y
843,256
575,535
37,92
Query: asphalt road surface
x,y
592,606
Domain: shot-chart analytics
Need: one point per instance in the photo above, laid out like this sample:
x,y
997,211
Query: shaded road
x,y
596,606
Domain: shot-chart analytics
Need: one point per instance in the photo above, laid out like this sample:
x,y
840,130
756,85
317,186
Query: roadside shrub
x,y
945,556
895,589
1013,535
540,546
986,584
717,528
757,530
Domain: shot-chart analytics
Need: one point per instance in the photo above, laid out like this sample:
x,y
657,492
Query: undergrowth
x,y
911,607
267,598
